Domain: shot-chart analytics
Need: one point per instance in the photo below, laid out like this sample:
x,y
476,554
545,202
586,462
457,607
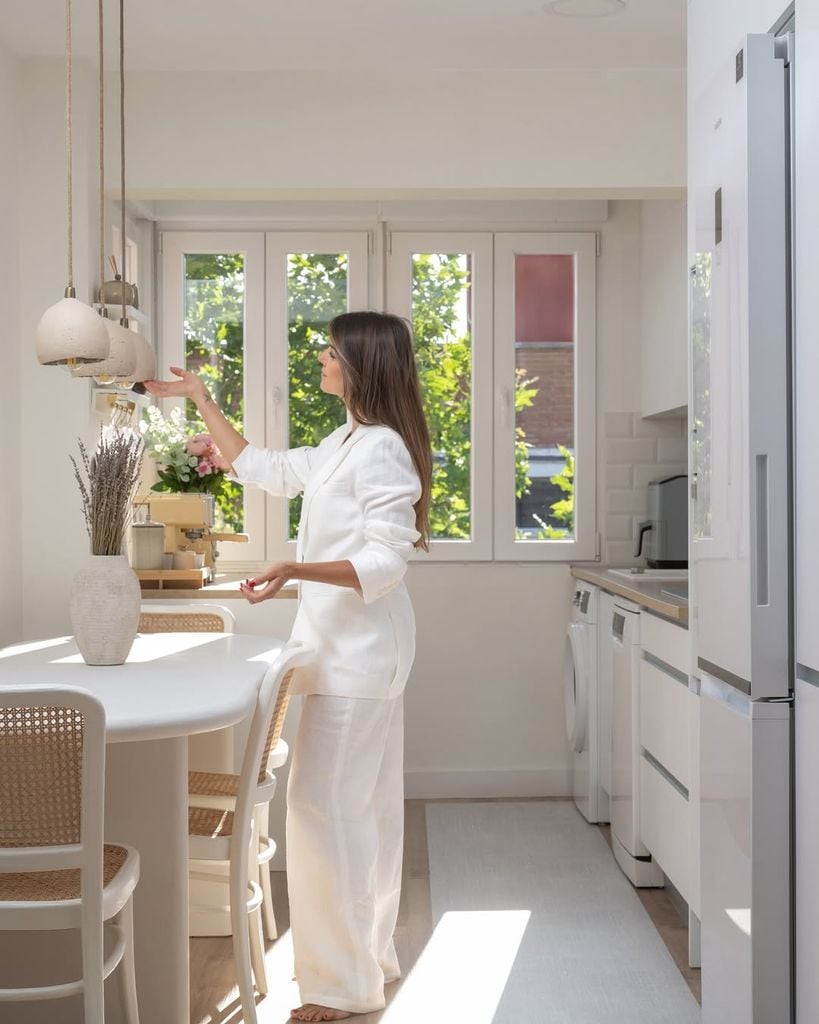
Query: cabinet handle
x,y
762,514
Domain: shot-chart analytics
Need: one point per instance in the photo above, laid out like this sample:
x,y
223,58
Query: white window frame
x,y
173,247
278,244
401,247
385,268
582,246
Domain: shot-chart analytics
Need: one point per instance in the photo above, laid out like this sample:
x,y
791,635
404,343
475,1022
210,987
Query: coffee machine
x,y
664,535
188,520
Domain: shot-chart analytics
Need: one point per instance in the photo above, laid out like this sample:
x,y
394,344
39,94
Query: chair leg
x,y
126,976
241,937
92,968
254,923
268,916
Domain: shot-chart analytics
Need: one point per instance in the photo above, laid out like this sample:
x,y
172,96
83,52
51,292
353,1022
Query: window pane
x,y
442,325
544,397
316,292
214,349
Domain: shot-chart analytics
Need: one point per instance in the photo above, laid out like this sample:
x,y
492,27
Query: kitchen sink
x,y
638,574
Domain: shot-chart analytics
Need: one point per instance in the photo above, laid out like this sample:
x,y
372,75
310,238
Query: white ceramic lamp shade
x,y
122,357
70,331
145,367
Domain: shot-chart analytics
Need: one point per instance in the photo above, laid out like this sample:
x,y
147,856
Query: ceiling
x,y
353,35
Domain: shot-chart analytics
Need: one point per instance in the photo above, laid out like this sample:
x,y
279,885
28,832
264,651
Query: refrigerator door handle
x,y
762,531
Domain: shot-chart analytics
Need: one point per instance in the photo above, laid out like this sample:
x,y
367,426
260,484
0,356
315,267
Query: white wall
x,y
54,409
10,506
587,129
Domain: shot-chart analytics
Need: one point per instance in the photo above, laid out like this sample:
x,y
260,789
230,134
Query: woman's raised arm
x,y
229,441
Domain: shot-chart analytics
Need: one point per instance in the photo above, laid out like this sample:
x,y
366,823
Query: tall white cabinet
x,y
806,809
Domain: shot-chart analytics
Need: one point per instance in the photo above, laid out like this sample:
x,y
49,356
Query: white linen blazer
x,y
358,505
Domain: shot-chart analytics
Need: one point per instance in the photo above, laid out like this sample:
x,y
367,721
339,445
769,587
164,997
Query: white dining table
x,y
171,686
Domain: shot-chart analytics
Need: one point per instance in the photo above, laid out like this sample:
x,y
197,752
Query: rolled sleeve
x,y
388,488
278,472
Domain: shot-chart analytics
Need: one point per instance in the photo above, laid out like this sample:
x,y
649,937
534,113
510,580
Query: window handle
x,y
277,401
507,406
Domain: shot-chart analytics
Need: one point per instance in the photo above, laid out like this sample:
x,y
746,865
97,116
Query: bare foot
x,y
314,1012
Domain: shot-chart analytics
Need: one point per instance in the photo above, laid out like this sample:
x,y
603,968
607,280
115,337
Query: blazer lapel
x,y
330,465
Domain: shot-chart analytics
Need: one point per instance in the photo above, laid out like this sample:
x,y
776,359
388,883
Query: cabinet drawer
x,y
664,720
664,826
665,641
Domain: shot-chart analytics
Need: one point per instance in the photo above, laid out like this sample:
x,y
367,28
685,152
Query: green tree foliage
x,y
317,291
214,348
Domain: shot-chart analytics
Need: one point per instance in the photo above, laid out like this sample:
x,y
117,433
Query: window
x,y
545,465
442,282
504,328
213,324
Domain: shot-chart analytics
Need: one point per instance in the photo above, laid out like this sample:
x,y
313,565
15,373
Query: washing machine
x,y
605,702
580,688
629,851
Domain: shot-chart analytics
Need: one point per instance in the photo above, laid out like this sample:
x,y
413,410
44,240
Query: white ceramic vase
x,y
104,606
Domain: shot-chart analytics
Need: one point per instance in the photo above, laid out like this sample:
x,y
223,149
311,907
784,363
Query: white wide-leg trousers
x,y
345,834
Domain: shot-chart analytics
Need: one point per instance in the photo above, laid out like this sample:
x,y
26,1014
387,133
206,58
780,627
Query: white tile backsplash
x,y
636,451
619,477
630,450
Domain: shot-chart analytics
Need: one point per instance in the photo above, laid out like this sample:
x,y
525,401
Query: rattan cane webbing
x,y
40,776
39,886
210,822
181,622
276,722
213,784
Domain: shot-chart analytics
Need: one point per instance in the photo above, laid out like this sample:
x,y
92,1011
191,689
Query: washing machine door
x,y
576,684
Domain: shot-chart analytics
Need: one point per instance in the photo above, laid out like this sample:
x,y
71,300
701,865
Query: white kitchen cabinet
x,y
665,823
663,307
669,766
806,809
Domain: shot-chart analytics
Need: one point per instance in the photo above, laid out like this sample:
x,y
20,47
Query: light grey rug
x,y
540,925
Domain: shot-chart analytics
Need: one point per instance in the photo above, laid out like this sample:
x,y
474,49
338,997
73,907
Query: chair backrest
x,y
265,729
195,617
52,785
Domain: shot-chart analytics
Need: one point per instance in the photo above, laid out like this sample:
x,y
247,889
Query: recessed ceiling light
x,y
585,8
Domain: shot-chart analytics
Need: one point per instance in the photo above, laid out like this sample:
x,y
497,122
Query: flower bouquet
x,y
186,462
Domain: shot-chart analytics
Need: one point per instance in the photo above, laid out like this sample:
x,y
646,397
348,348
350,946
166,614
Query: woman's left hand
x,y
268,583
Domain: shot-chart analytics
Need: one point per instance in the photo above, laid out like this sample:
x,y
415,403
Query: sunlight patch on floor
x,y
282,996
463,969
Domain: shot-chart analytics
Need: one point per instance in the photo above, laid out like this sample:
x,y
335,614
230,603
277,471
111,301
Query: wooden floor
x,y
214,997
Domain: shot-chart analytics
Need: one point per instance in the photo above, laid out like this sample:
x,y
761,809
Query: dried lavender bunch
x,y
108,481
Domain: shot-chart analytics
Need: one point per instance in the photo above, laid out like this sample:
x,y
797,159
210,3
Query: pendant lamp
x,y
145,368
70,331
121,359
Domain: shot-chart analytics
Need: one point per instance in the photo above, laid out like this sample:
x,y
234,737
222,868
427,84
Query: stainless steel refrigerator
x,y
741,518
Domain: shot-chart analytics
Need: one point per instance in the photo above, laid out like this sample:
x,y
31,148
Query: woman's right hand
x,y
188,386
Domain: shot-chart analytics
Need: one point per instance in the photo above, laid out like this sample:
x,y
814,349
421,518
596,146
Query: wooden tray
x,y
176,579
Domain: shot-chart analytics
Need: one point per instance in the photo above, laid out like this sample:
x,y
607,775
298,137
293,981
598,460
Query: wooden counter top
x,y
225,587
647,594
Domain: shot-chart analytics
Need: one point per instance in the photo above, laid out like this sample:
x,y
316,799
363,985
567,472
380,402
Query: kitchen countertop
x,y
647,594
225,587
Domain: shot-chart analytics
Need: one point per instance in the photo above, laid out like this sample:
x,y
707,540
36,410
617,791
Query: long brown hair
x,y
381,386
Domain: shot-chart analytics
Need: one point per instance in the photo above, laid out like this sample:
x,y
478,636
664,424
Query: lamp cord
x,y
102,159
122,146
69,177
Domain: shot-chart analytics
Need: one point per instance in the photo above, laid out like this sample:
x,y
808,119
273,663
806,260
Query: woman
x,y
366,499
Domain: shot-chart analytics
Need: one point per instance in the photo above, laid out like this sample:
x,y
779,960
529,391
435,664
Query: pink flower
x,y
205,467
199,445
